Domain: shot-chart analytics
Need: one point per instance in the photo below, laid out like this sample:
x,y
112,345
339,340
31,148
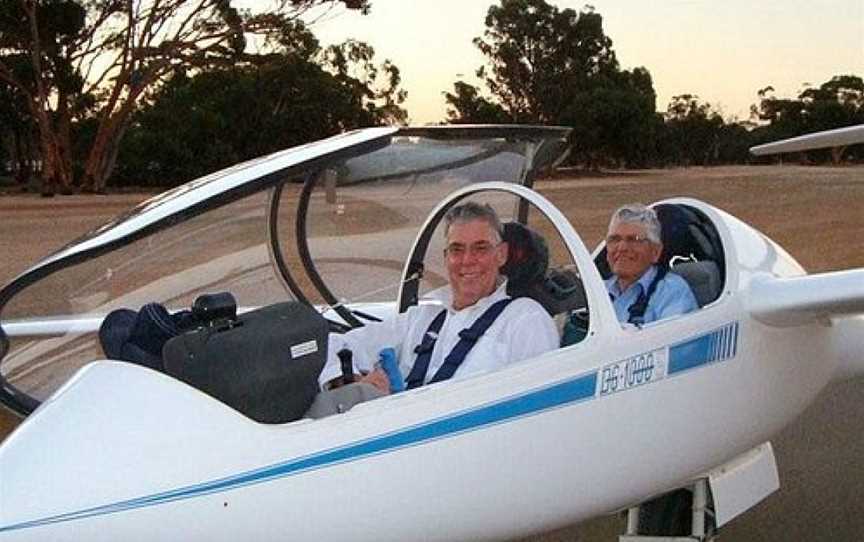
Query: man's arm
x,y
674,299
365,343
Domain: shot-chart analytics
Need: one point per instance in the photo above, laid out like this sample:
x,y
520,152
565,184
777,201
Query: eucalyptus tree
x,y
200,121
466,105
538,55
553,66
693,128
116,51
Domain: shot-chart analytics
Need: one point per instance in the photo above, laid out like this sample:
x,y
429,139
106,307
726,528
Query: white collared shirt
x,y
523,330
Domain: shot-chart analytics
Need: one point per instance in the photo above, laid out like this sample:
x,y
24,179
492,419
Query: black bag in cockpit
x,y
264,363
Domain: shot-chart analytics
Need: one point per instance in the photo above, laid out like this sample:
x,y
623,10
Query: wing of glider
x,y
818,140
792,301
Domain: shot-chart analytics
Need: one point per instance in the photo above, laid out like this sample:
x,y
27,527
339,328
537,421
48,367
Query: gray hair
x,y
470,211
637,213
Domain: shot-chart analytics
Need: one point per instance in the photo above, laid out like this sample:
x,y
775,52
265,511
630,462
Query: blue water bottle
x,y
387,361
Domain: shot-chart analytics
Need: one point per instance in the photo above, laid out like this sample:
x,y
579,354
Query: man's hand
x,y
377,378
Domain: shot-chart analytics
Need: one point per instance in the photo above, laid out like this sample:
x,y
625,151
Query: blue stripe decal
x,y
557,395
718,345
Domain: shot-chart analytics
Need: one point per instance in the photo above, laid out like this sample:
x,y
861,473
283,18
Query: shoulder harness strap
x,y
424,352
467,339
638,308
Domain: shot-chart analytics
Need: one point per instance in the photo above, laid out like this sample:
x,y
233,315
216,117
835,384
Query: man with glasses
x,y
641,291
475,328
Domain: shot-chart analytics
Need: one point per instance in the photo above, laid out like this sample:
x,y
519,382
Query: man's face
x,y
629,252
473,257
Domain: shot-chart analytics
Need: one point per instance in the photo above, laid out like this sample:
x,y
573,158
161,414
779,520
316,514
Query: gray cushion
x,y
703,278
342,399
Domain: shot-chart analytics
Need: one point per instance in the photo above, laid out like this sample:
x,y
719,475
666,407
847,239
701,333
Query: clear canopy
x,y
324,223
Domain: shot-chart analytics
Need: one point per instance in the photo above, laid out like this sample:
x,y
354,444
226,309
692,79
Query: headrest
x,y
527,258
683,233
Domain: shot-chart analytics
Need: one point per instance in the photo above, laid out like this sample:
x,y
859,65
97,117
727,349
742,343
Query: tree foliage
x,y
372,87
465,105
551,66
37,63
178,75
17,134
546,65
539,55
692,131
108,53
614,120
202,121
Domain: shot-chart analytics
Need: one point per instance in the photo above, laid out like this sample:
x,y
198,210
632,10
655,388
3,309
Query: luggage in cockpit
x,y
264,363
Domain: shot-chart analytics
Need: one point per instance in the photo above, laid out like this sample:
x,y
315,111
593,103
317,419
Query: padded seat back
x,y
527,258
528,274
703,277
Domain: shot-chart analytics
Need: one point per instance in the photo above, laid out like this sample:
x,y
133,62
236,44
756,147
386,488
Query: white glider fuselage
x,y
581,431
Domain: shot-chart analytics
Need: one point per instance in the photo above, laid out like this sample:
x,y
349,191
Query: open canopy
x,y
324,223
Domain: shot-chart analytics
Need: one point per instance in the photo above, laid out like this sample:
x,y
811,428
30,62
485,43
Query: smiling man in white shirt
x,y
429,339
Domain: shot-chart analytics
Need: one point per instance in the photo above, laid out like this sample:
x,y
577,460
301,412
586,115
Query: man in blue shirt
x,y
641,291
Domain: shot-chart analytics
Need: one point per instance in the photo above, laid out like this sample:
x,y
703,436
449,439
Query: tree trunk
x,y
54,173
103,153
23,158
64,144
48,161
95,177
114,149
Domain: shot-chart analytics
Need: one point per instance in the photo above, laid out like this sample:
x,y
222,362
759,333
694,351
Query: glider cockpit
x,y
350,225
329,224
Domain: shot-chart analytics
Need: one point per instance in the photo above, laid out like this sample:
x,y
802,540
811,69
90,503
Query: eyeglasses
x,y
614,240
481,249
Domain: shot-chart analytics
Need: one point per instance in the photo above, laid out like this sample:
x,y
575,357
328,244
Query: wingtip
x,y
839,137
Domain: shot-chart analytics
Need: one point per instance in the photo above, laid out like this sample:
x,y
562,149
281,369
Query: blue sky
x,y
722,51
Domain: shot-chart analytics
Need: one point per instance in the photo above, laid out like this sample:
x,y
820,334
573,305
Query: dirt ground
x,y
816,213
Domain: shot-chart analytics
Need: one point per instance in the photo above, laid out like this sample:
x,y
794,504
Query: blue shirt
x,y
671,297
